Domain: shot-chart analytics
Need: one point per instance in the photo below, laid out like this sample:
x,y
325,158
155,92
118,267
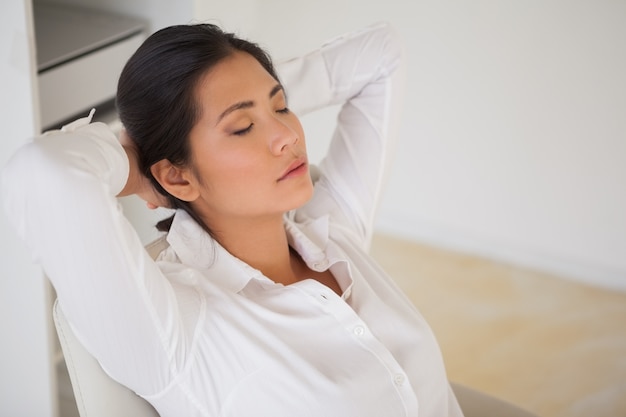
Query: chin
x,y
301,196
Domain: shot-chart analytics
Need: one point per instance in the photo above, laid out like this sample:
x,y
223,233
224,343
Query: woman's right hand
x,y
137,183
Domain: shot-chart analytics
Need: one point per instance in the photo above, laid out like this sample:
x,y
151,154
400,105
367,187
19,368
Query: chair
x,y
96,394
478,404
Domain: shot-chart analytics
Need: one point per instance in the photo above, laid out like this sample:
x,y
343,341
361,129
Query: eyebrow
x,y
248,103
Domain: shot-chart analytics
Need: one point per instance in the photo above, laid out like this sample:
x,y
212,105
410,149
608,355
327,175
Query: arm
x,y
60,193
363,71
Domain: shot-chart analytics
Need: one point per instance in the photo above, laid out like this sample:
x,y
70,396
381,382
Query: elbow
x,y
393,46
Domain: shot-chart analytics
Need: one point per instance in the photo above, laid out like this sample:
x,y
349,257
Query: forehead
x,y
238,77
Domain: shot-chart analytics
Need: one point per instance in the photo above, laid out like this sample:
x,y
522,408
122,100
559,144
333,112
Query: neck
x,y
262,244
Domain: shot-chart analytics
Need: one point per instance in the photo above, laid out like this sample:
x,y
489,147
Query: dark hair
x,y
156,99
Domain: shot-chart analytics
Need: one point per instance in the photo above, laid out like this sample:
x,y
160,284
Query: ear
x,y
177,181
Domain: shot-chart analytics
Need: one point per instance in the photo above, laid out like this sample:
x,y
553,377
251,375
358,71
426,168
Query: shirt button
x,y
359,330
323,264
399,379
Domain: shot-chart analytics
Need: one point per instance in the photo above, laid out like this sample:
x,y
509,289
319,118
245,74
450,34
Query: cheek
x,y
233,169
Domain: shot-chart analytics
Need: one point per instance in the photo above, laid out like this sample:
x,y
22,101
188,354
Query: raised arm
x,y
363,71
60,193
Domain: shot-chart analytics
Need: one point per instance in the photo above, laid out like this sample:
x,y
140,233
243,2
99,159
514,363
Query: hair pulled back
x,y
156,97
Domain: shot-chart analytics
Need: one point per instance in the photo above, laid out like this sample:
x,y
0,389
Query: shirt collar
x,y
196,248
309,237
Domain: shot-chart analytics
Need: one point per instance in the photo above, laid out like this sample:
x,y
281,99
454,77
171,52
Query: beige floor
x,y
555,347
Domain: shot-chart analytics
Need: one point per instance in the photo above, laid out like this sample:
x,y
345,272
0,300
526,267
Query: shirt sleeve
x,y
364,73
59,191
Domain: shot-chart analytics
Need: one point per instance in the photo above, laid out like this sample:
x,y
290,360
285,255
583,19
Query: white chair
x,y
96,394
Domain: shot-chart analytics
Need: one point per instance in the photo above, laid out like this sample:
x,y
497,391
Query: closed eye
x,y
242,132
283,111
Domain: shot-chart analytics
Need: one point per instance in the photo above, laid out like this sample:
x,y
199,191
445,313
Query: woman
x,y
265,301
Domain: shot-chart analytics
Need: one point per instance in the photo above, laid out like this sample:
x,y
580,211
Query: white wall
x,y
514,138
26,388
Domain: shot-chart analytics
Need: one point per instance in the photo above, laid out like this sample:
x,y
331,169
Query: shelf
x,y
80,54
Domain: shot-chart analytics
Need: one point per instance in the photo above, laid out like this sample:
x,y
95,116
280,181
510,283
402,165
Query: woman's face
x,y
248,149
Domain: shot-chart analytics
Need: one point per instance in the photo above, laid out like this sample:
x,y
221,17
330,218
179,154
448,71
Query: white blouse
x,y
201,333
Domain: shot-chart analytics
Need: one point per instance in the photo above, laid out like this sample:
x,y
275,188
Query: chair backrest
x,y
478,404
97,394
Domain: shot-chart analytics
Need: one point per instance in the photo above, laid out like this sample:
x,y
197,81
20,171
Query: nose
x,y
282,137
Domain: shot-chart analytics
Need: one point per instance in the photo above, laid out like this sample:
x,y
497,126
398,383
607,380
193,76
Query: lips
x,y
296,168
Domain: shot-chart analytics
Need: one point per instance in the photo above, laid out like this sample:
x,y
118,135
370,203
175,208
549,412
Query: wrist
x,y
134,176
